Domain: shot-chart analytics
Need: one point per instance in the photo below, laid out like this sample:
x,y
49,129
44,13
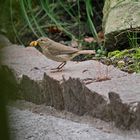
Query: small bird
x,y
57,51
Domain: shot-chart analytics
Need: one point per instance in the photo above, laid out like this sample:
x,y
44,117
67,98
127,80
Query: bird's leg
x,y
60,66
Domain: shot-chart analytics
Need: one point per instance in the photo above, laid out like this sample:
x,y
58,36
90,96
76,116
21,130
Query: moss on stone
x,y
129,57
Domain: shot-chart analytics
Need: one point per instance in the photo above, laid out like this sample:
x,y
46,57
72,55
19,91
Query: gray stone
x,y
121,17
81,87
24,124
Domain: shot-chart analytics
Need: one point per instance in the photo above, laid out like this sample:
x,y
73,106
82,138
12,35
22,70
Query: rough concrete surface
x,y
39,122
128,87
87,87
30,62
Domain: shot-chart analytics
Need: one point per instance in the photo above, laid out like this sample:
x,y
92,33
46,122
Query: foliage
x,y
133,39
63,18
127,60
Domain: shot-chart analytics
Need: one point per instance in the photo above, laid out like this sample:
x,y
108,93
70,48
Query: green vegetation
x,y
133,39
60,20
127,60
65,20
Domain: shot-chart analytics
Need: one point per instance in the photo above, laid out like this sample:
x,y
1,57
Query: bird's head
x,y
41,42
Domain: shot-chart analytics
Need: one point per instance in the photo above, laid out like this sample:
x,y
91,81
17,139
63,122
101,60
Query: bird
x,y
57,51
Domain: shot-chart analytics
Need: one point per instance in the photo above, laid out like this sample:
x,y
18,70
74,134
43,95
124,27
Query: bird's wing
x,y
60,49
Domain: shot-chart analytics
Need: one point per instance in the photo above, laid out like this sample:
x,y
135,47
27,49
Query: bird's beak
x,y
33,43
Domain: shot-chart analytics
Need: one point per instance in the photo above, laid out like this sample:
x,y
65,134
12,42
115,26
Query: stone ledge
x,y
67,90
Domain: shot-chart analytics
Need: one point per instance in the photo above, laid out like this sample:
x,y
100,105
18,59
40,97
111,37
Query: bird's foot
x,y
60,66
56,70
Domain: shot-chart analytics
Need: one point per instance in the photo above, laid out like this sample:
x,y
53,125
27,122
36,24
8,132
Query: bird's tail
x,y
86,52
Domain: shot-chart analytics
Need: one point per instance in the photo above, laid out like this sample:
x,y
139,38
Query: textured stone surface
x,y
127,87
87,87
119,18
42,122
